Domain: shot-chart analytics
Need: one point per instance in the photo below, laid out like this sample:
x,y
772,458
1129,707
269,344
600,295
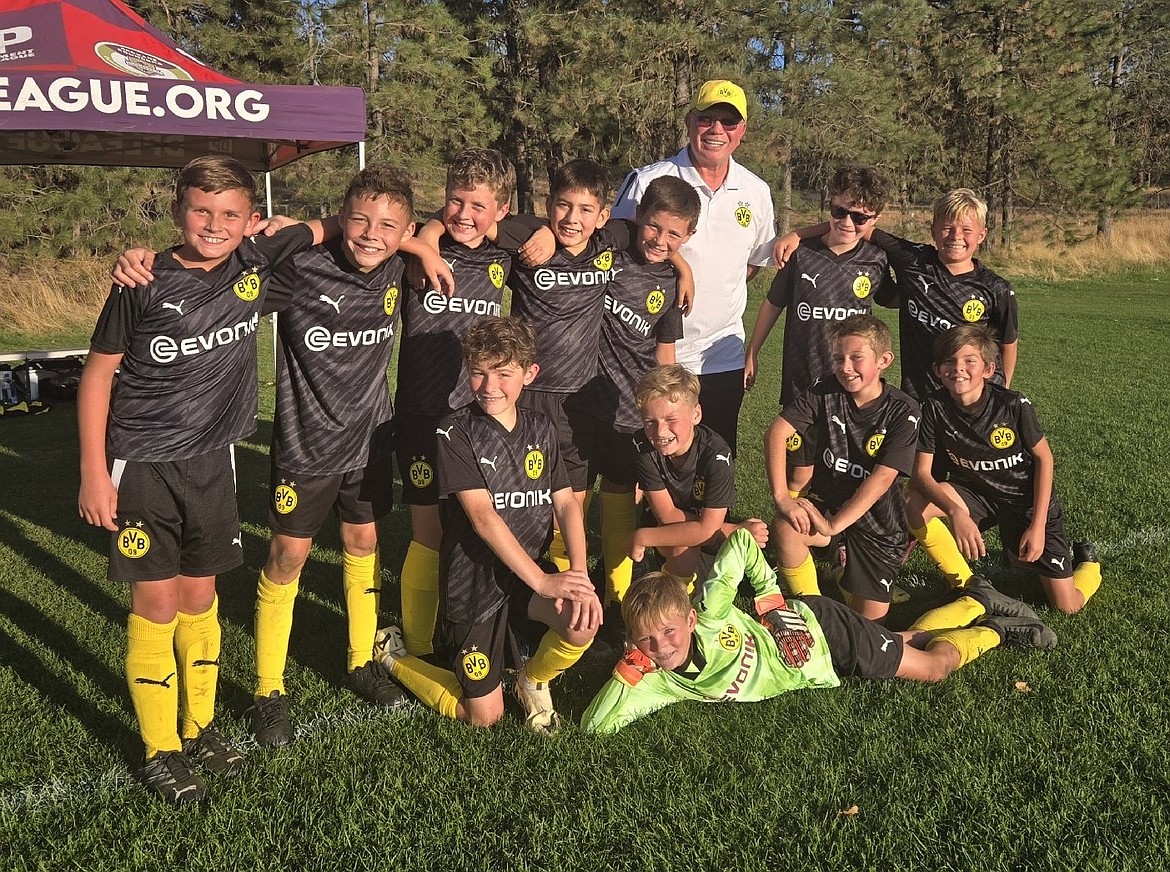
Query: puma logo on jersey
x,y
178,307
336,304
839,423
1058,562
726,458
166,682
886,641
913,421
887,584
925,285
446,434
238,541
812,280
491,463
451,263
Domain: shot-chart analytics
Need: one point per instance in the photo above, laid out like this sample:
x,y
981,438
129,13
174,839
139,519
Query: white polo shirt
x,y
736,228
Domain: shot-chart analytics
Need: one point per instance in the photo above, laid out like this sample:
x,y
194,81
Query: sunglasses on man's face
x,y
858,218
705,121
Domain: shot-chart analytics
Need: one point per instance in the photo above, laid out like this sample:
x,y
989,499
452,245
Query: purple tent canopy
x,y
90,82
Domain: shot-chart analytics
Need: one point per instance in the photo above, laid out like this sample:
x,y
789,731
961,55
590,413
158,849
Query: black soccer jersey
x,y
818,287
431,376
187,383
704,480
989,445
933,301
521,470
337,335
563,299
849,442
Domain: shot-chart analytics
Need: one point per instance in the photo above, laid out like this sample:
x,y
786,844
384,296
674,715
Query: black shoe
x,y
1025,632
1084,552
212,750
373,683
170,776
995,603
271,725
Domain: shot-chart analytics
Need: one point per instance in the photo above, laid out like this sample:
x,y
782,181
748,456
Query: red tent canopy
x,y
90,82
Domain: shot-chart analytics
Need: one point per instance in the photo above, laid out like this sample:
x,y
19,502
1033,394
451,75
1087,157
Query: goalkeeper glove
x,y
632,667
792,635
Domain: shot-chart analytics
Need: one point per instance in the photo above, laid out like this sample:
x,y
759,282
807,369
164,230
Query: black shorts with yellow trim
x,y
416,447
607,450
857,645
1013,520
299,504
176,517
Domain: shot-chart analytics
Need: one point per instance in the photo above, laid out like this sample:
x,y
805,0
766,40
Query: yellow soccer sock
x,y
272,627
618,521
363,589
938,542
553,657
420,598
961,613
969,642
557,552
1087,578
154,684
197,643
794,494
437,688
688,580
802,579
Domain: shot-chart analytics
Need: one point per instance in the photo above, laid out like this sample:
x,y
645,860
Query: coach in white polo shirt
x,y
732,241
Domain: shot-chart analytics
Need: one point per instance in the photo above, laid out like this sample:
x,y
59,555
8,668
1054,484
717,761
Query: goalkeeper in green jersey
x,y
717,653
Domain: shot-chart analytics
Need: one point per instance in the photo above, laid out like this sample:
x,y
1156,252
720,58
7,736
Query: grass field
x,y
1022,760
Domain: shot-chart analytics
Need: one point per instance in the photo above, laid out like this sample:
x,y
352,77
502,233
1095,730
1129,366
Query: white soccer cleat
x,y
539,714
388,646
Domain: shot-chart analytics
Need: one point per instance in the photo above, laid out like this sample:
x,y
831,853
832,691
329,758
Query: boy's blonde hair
x,y
652,600
473,167
215,174
673,381
581,174
863,186
382,180
873,330
501,340
959,202
673,196
948,343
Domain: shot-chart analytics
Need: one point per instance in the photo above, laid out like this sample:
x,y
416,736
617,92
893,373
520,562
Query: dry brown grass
x,y
54,297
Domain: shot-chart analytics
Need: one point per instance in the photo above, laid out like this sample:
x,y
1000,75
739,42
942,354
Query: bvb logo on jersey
x,y
743,215
700,489
729,638
1002,438
475,665
604,260
284,498
793,442
655,301
421,473
390,301
862,286
133,542
247,288
534,462
973,310
874,443
496,275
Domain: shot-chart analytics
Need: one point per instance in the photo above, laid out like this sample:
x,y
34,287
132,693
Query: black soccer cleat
x,y
372,682
212,750
995,603
271,724
170,776
1024,632
1084,552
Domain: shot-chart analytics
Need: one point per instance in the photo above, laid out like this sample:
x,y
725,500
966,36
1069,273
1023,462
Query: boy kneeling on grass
x,y
714,652
501,481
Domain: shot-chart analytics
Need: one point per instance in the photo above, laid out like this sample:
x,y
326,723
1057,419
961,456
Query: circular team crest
x,y
655,301
421,473
604,260
729,638
390,301
1002,437
700,489
496,275
133,542
247,288
284,498
136,62
874,443
534,463
793,442
973,310
475,665
861,287
743,215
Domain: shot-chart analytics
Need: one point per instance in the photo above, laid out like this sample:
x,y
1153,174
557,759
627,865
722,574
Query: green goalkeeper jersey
x,y
733,657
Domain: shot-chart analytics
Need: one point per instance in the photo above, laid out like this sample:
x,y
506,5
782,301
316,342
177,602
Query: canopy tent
x,y
91,82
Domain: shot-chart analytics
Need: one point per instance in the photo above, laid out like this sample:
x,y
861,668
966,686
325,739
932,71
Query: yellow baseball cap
x,y
721,91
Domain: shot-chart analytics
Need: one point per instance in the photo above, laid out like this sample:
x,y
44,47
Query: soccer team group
x,y
501,426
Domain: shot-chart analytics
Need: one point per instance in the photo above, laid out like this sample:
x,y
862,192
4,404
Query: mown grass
x,y
974,773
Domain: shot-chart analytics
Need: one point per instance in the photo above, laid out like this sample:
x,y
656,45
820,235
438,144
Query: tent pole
x,y
362,155
268,205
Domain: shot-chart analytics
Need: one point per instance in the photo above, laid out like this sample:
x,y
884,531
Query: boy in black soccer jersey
x,y
1000,472
501,480
431,380
688,474
156,457
862,434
